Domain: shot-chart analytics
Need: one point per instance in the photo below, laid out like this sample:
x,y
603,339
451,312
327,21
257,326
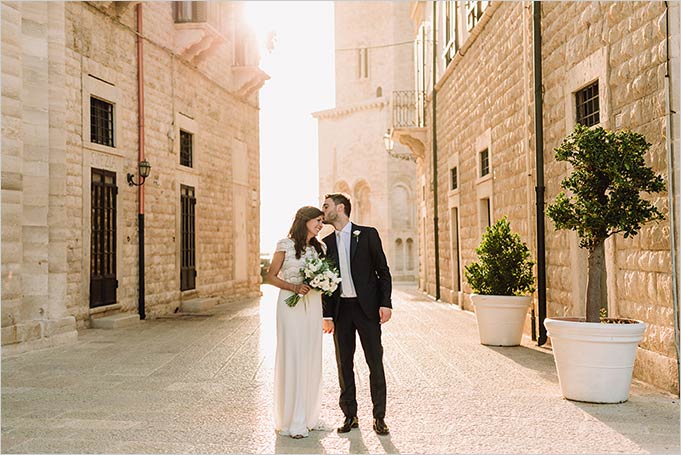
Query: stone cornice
x,y
349,109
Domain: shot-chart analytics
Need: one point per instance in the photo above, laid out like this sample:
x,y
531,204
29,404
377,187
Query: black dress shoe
x,y
380,427
348,424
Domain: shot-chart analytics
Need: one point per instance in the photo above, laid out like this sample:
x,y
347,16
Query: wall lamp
x,y
389,144
388,141
144,171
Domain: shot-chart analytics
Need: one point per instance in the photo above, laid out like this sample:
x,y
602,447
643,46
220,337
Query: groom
x,y
360,305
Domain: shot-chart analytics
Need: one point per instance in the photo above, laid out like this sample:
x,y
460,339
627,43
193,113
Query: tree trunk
x,y
594,283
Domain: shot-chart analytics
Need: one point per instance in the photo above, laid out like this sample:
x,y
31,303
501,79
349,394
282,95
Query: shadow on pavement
x,y
648,418
533,358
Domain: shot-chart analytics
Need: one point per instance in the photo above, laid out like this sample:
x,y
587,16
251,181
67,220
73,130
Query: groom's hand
x,y
327,326
384,314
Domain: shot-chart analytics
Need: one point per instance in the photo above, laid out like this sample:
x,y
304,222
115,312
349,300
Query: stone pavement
x,y
202,384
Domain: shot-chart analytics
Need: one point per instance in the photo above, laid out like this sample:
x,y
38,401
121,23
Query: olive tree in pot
x,y
500,278
595,357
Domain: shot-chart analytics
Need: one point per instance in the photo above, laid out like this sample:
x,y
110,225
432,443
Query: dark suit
x,y
373,285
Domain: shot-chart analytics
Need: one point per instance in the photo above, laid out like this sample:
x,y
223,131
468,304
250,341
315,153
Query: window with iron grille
x,y
588,109
188,246
186,148
103,282
474,12
101,122
484,162
190,12
454,178
451,29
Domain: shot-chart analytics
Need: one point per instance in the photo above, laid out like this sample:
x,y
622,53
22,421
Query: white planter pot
x,y
594,361
501,318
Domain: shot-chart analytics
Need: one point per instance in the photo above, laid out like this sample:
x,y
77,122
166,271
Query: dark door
x,y
188,253
103,281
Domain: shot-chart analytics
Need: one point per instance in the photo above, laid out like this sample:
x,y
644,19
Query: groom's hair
x,y
341,198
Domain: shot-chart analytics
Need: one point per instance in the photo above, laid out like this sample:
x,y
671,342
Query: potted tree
x,y
500,278
595,356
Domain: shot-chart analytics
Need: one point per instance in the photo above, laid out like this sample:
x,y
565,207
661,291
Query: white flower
x,y
356,233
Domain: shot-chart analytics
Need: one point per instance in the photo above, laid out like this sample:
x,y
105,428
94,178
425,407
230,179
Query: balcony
x,y
408,120
197,26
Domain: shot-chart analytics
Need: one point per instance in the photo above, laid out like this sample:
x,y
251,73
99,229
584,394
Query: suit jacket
x,y
370,272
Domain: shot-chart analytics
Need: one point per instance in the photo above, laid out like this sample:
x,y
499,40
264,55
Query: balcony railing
x,y
408,109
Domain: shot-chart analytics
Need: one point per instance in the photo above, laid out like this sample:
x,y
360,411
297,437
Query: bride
x,y
298,360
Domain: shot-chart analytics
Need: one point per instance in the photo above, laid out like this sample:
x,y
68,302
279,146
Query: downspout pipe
x,y
140,188
436,235
671,191
539,157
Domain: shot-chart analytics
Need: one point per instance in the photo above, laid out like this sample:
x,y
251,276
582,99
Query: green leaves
x,y
504,267
603,190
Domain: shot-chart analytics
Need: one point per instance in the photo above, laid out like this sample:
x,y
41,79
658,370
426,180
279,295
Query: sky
x,y
301,68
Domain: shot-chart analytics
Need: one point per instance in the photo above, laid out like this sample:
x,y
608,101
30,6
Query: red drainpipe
x,y
140,188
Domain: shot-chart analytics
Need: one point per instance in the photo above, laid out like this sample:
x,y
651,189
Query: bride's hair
x,y
298,231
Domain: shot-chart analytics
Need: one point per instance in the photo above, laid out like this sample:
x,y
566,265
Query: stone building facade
x,y
70,138
373,59
485,136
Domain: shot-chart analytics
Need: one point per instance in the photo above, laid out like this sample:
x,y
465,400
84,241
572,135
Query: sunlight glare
x,y
301,68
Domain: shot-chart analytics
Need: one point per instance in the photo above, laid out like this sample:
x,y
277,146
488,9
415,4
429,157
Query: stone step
x,y
199,305
115,321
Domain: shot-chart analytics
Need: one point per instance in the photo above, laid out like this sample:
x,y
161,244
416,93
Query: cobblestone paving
x,y
202,384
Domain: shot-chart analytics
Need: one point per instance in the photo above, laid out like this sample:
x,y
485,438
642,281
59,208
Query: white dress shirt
x,y
343,238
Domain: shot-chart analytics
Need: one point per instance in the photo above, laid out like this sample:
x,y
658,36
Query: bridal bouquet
x,y
320,274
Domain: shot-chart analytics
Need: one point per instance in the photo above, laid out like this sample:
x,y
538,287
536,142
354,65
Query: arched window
x,y
379,92
410,254
399,255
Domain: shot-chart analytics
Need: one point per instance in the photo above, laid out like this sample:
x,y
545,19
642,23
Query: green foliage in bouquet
x,y
504,266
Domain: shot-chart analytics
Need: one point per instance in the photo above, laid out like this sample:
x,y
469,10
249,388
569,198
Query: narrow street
x,y
201,383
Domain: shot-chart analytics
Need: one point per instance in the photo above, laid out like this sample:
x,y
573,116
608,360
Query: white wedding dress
x,y
298,360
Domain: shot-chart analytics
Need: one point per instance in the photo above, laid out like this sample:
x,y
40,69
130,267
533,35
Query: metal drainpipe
x,y
539,145
670,192
140,188
435,209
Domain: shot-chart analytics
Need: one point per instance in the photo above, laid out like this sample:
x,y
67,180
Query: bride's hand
x,y
302,289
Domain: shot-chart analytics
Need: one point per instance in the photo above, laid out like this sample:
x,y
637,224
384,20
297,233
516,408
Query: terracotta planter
x,y
595,361
501,318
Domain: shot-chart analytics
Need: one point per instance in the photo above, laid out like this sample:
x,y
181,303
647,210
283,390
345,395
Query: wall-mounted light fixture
x,y
389,144
388,141
144,171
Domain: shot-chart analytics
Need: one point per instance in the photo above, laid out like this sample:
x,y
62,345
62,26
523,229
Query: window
x,y
410,254
189,12
454,178
188,253
186,148
474,12
485,214
587,104
456,253
363,63
101,122
484,163
399,255
451,30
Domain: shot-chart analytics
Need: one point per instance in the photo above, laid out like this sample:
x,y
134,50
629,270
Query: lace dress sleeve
x,y
283,245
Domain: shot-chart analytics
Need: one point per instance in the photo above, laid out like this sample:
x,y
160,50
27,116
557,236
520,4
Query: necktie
x,y
347,289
